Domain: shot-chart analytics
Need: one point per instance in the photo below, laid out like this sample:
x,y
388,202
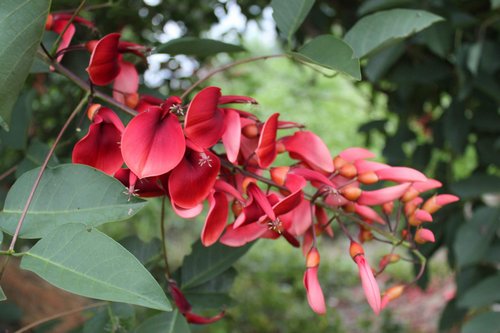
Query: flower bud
x,y
368,178
92,111
388,207
348,171
131,100
250,131
349,207
388,259
49,22
365,235
409,195
355,249
236,208
339,162
313,258
424,236
278,174
391,294
351,193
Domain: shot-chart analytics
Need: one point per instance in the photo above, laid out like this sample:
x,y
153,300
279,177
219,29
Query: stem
x,y
163,239
42,169
59,315
8,172
59,37
227,66
85,85
344,229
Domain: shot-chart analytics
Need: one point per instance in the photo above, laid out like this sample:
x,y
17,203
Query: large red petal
x,y
193,179
232,134
216,218
152,146
308,147
242,235
266,148
104,67
204,122
288,203
260,198
127,82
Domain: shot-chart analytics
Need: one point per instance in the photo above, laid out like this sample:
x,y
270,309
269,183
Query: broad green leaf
x,y
370,6
332,53
17,136
69,193
289,15
21,24
381,29
34,157
484,293
199,47
484,322
2,295
476,185
205,263
84,261
214,293
171,322
381,62
141,250
474,237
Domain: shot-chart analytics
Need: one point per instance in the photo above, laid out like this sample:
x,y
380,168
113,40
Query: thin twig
x,y
70,21
227,66
163,239
8,172
42,169
59,315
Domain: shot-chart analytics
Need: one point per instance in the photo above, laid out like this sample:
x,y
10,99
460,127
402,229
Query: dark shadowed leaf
x,y
86,262
69,193
21,24
141,250
213,294
381,62
171,322
199,47
332,53
17,136
484,322
34,157
205,263
289,14
370,6
484,293
476,185
381,29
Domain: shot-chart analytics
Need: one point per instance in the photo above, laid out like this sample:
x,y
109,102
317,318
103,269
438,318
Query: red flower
x,y
370,286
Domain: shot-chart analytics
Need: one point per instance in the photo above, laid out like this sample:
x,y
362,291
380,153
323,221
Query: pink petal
x,y
216,218
427,185
153,145
370,286
187,213
312,175
368,213
355,153
288,203
243,235
401,174
314,293
422,215
309,148
192,180
127,82
365,166
204,122
424,236
103,67
378,197
66,38
445,199
266,148
232,134
299,217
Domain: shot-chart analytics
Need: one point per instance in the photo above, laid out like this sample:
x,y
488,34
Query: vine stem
x,y
227,66
59,315
43,167
163,239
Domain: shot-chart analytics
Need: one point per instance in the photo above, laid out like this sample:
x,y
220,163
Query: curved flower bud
x,y
424,236
370,286
391,294
434,203
378,197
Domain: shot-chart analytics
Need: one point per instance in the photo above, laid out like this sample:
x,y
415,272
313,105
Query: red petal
x,y
66,38
127,82
260,198
180,300
314,293
242,235
445,199
378,197
370,286
204,122
197,319
308,147
152,146
312,175
427,185
401,174
300,218
103,67
232,134
368,213
355,153
230,99
266,148
222,186
189,212
193,179
365,166
216,218
288,203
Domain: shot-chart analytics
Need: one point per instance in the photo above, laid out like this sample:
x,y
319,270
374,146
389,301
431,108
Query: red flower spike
x,y
355,153
104,66
216,218
153,144
309,148
424,236
100,148
127,81
370,286
266,148
231,138
204,122
378,197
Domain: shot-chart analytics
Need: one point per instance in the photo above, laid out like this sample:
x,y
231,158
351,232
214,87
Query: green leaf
x,y
22,24
332,53
484,293
370,6
495,4
214,293
1,237
34,157
205,263
2,295
86,262
289,15
171,322
199,47
17,136
69,193
484,322
476,185
381,62
141,250
474,237
381,29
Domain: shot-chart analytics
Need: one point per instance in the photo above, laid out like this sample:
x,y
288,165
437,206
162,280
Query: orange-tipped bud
x,y
280,147
92,110
410,208
250,131
437,201
404,234
278,174
368,178
365,235
349,207
49,22
339,162
348,171
236,208
313,258
388,259
388,207
413,221
131,100
351,193
355,250
409,195
246,182
424,236
391,294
